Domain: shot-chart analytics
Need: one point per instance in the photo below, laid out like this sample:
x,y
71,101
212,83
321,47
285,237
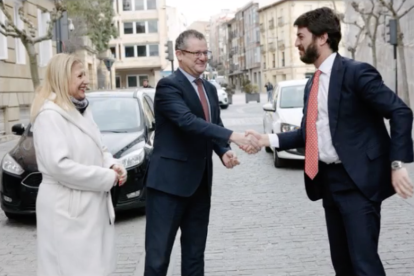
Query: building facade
x,y
16,88
139,51
218,40
177,23
252,43
280,58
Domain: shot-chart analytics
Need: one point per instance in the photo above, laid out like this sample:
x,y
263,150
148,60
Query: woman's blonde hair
x,y
57,80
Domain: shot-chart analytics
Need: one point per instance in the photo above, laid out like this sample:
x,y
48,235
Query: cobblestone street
x,y
261,223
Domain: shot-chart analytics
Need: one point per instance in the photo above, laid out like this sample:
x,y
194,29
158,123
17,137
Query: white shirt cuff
x,y
273,140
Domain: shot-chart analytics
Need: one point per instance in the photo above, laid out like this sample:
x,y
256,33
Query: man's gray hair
x,y
181,41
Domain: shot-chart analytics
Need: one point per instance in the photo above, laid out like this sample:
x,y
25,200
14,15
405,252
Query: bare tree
x,y
372,19
351,47
28,37
397,14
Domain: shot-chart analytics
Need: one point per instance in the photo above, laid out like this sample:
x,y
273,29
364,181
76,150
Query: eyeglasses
x,y
198,54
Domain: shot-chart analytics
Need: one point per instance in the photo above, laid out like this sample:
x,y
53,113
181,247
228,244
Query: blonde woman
x,y
75,216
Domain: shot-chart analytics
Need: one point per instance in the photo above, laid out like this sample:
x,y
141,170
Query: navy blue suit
x,y
352,191
179,176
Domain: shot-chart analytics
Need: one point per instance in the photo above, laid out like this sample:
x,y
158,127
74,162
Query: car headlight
x,y
287,127
10,165
133,158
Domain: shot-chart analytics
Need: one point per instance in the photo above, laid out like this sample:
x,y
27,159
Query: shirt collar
x,y
326,66
188,76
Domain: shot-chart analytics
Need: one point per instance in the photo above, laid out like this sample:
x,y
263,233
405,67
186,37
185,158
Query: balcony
x,y
280,22
271,24
262,29
281,44
272,47
262,49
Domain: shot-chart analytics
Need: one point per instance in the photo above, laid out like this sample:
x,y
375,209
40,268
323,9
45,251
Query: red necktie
x,y
311,143
203,98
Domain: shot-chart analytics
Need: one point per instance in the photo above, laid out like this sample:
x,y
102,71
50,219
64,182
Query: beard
x,y
310,55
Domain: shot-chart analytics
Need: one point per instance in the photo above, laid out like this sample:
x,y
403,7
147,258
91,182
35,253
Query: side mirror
x,y
269,107
18,129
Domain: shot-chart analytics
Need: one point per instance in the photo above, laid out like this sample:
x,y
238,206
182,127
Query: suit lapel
x,y
334,93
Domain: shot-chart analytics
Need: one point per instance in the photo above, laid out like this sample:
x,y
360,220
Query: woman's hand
x,y
121,172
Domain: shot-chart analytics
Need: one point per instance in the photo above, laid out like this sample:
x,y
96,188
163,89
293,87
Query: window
x,y
113,51
127,4
142,50
129,51
118,82
19,48
139,5
283,59
292,96
45,47
149,116
141,27
141,79
151,4
135,81
152,26
116,114
153,50
3,40
128,28
132,81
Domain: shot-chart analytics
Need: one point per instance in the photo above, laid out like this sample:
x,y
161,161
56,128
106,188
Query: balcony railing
x,y
281,44
271,24
262,29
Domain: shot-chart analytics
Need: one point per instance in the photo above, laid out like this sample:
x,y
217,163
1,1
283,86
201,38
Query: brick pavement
x,y
261,224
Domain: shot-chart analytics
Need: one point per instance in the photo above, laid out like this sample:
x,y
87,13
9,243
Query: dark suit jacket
x,y
358,102
184,141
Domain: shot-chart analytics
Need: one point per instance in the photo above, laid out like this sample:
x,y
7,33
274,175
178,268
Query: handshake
x,y
251,141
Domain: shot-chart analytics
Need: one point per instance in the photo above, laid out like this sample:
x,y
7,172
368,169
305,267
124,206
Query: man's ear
x,y
323,39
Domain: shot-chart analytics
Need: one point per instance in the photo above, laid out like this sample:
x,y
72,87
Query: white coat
x,y
75,216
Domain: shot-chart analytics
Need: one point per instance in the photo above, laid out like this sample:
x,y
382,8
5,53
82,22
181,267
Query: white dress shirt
x,y
191,79
327,152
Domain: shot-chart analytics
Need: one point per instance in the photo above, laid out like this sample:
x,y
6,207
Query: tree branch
x,y
400,7
10,23
9,34
404,13
54,16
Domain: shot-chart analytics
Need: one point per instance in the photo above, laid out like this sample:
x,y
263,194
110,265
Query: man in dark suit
x,y
351,162
188,129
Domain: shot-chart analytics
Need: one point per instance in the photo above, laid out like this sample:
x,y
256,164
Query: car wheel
x,y
278,162
224,106
11,215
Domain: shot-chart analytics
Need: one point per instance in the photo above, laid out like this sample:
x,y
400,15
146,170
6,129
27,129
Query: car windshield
x,y
116,114
292,96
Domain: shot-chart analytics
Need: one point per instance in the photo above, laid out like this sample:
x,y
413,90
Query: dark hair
x,y
180,42
320,21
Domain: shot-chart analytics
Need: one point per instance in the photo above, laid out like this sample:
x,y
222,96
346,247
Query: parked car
x,y
284,113
126,121
222,95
